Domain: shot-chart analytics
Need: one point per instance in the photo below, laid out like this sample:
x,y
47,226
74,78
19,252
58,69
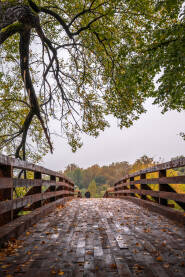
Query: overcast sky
x,y
154,134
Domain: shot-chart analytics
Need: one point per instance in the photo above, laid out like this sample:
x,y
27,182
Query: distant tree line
x,y
108,174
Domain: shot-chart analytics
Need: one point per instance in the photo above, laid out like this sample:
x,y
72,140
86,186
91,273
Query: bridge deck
x,y
98,237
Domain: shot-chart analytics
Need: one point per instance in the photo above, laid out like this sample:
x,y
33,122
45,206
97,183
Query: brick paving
x,y
97,237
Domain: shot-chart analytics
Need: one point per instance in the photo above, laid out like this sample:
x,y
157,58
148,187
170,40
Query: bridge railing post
x,y
52,188
163,187
61,180
132,186
6,193
38,189
143,186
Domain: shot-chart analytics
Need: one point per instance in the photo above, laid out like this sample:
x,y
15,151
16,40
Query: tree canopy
x,y
79,61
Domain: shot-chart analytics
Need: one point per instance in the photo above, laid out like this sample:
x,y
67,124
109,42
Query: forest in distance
x,y
97,179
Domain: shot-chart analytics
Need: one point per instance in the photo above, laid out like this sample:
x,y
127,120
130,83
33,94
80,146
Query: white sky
x,y
154,134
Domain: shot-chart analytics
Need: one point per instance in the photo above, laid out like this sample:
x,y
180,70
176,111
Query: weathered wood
x,y
5,183
162,194
166,192
19,203
34,198
32,182
98,238
164,166
163,180
18,226
5,160
37,190
6,171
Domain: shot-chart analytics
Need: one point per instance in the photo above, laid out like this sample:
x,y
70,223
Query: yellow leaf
x,y
60,273
5,266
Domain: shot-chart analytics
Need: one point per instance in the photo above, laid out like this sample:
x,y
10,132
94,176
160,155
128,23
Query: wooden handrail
x,y
58,186
137,185
15,163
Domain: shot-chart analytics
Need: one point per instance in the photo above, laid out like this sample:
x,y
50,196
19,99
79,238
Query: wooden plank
x,y
18,226
32,182
6,194
162,194
5,160
18,203
6,183
162,180
164,166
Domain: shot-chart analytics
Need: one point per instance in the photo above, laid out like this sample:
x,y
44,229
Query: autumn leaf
x,y
166,265
113,266
159,258
5,266
60,273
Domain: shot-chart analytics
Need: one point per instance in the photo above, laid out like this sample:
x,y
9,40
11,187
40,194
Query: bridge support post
x,y
143,186
6,171
52,188
163,187
37,176
61,187
132,186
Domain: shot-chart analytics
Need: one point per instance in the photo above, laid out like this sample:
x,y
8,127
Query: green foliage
x,y
102,175
92,188
108,54
142,163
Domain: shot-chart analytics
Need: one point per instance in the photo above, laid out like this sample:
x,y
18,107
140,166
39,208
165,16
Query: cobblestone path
x,y
97,237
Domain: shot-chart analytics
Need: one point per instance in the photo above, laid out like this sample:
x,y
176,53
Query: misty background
x,y
154,134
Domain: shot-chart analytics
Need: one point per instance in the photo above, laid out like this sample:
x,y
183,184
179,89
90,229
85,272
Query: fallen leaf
x,y
60,273
4,266
89,252
159,258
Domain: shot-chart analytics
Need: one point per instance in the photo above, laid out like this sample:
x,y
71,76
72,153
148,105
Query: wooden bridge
x,y
132,231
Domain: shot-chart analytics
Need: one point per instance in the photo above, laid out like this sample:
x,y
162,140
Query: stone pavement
x,y
97,237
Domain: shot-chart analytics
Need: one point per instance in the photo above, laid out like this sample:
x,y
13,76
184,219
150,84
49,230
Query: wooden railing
x,y
138,185
43,188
